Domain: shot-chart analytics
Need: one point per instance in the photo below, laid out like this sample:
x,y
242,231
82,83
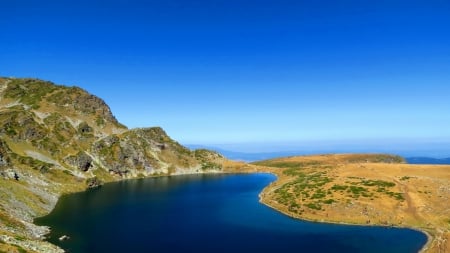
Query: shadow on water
x,y
203,213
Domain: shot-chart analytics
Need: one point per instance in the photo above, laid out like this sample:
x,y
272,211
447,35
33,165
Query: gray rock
x,y
4,150
93,182
10,174
84,128
81,160
2,161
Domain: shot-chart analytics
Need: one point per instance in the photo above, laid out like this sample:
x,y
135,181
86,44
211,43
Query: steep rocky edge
x,y
56,140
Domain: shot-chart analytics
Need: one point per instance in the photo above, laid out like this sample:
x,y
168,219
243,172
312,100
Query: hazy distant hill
x,y
246,157
252,157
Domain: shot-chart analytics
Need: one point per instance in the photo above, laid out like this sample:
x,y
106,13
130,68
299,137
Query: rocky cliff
x,y
56,139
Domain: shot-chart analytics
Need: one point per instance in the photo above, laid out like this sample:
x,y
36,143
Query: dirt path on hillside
x,y
411,207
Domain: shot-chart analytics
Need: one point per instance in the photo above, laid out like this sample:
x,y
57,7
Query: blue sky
x,y
241,71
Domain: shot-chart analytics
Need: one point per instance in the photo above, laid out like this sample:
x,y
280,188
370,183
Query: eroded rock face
x,y
93,182
84,128
6,171
21,125
4,157
90,104
2,161
82,161
10,174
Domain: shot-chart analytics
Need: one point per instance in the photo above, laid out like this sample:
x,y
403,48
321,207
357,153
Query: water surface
x,y
204,213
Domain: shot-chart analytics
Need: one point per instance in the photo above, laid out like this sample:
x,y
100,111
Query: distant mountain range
x,y
246,157
252,157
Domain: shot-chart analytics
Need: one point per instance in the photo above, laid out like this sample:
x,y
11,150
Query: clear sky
x,y
246,71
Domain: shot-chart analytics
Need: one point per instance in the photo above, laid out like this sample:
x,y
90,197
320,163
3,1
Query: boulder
x,y
93,182
81,160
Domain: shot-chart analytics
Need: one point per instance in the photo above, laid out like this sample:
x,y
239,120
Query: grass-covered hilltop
x,y
57,140
363,189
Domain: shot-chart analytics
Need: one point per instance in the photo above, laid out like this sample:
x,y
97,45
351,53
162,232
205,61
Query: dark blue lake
x,y
204,213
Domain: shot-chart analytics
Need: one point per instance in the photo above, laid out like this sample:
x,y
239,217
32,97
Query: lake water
x,y
204,213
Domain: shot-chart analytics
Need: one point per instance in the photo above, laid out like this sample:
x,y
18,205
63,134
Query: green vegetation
x,y
21,125
63,97
211,166
311,186
100,121
41,166
29,91
206,158
379,183
319,194
329,201
396,195
315,206
339,187
356,189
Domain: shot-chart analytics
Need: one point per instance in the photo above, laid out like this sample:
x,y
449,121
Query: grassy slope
x,y
363,189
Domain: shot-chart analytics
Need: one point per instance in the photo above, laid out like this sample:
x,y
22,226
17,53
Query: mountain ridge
x,y
57,139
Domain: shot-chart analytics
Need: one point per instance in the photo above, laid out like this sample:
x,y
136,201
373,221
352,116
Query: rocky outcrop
x,y
4,153
84,128
93,182
6,171
3,161
21,125
209,160
81,161
80,101
9,174
143,151
72,127
90,104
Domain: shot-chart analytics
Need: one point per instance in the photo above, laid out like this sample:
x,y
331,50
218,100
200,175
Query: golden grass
x,y
416,196
11,249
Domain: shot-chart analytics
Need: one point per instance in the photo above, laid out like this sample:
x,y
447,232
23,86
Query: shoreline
x,y
424,249
430,237
41,238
